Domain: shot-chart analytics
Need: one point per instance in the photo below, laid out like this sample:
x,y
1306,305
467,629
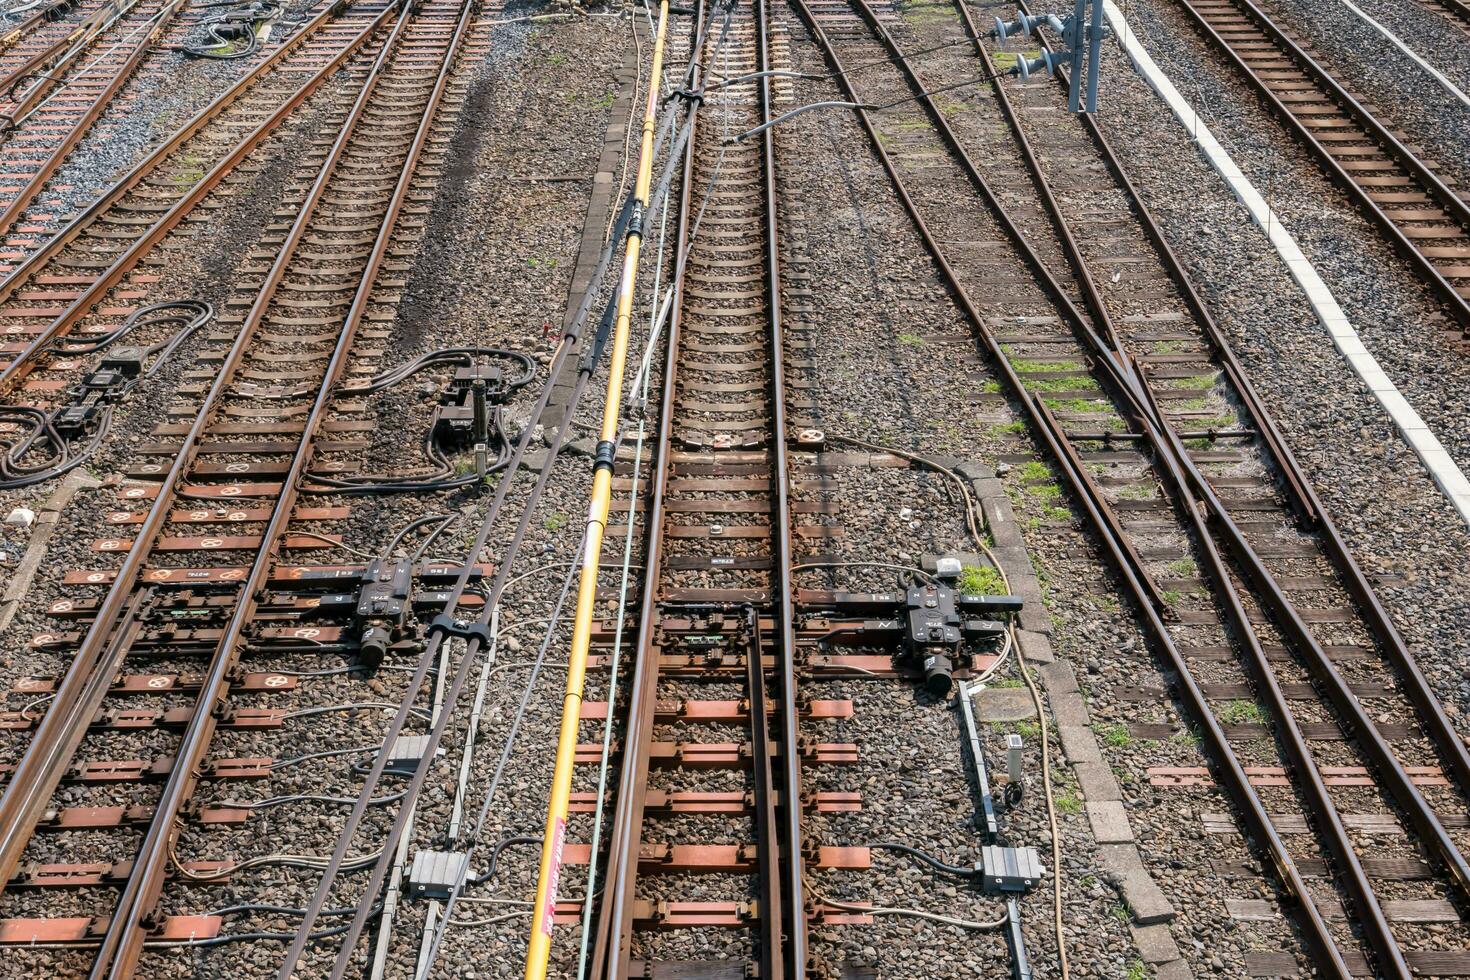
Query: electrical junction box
x,y
405,752
1009,869
433,874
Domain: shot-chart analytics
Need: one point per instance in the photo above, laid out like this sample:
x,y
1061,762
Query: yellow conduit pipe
x,y
539,949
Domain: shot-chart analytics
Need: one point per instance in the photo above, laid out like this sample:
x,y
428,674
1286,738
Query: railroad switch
x,y
379,600
435,874
383,606
702,631
462,418
934,624
124,361
81,413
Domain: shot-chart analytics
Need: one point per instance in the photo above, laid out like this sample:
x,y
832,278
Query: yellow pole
x,y
539,949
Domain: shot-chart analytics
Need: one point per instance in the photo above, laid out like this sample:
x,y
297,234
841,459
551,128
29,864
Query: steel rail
x,y
782,913
793,942
1407,795
1455,8
83,124
1456,208
615,914
1360,889
46,75
1229,769
45,15
123,943
86,680
1081,273
20,364
1435,722
773,906
1370,911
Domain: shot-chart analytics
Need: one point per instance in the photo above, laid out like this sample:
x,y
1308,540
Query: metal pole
x,y
1079,18
538,951
1094,54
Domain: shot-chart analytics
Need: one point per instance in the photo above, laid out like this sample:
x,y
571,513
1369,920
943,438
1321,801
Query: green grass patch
x,y
1046,492
948,106
1008,429
1183,568
1068,802
1033,470
981,580
1064,384
1117,736
1025,729
1045,367
555,522
1242,713
1200,382
910,340
1084,405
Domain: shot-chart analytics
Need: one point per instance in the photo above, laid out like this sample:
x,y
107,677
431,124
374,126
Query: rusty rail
x,y
1405,222
155,233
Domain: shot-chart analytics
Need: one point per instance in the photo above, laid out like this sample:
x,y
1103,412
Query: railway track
x,y
1424,216
1248,592
39,30
181,654
85,279
87,285
1458,11
53,99
717,579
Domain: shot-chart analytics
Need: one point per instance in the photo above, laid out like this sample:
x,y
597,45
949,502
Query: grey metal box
x,y
433,874
1010,869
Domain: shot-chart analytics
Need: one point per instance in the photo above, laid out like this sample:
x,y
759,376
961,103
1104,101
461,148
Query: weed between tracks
x,y
981,580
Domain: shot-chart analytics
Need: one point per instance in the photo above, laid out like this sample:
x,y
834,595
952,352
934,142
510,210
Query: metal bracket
x,y
989,826
466,630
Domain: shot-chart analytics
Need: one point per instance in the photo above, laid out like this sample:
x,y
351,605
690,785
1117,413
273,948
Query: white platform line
x,y
1442,468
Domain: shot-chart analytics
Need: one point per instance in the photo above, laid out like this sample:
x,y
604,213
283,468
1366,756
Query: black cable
x,y
239,937
501,845
462,356
443,477
56,454
433,536
409,529
929,859
236,22
191,313
276,910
